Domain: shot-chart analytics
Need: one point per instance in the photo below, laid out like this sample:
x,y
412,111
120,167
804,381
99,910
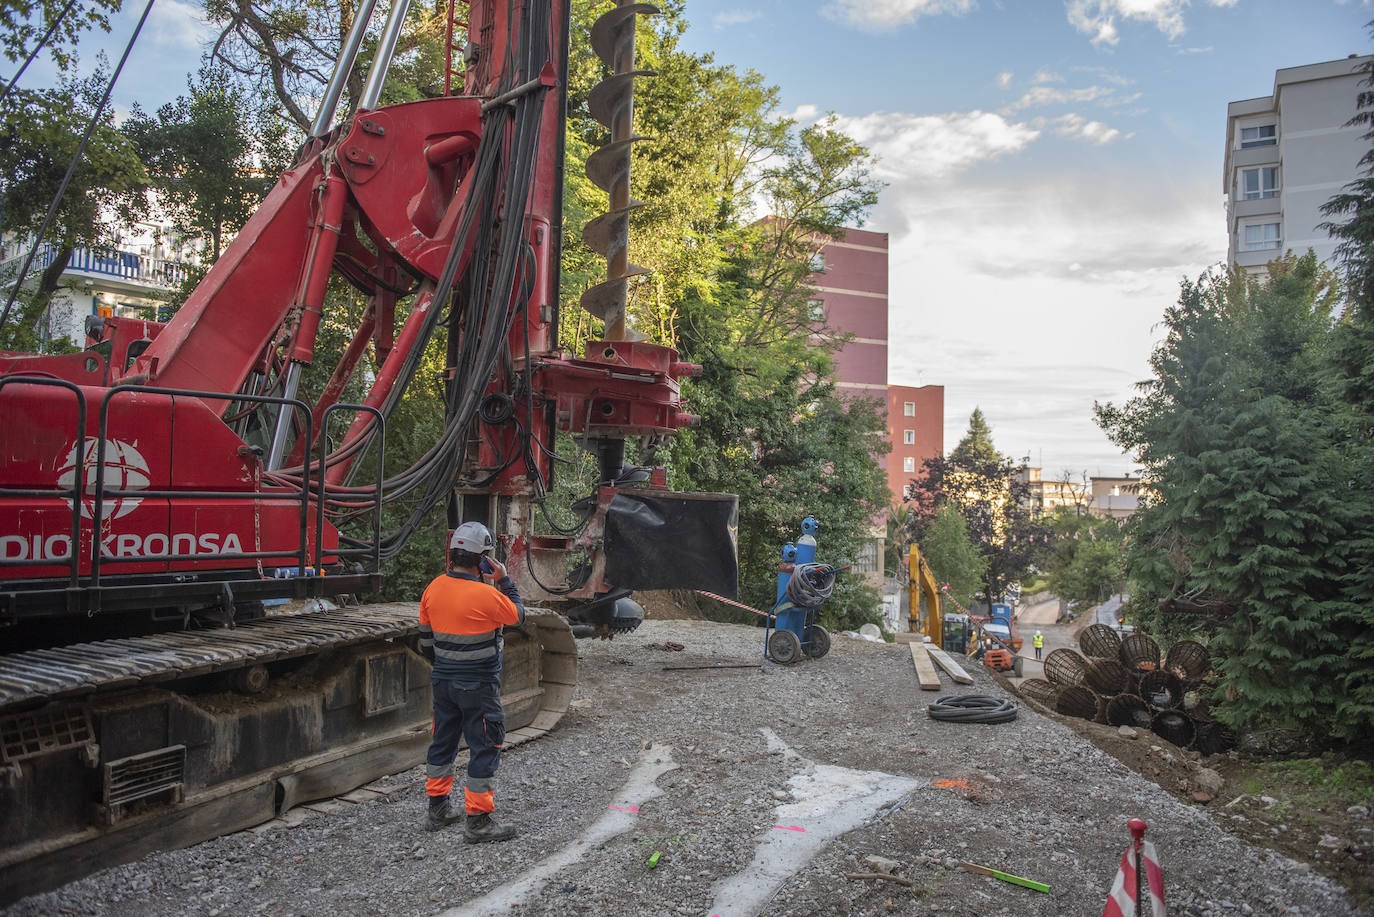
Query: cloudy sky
x,y
1053,168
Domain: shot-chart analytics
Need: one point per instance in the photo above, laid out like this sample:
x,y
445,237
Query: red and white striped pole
x,y
1125,899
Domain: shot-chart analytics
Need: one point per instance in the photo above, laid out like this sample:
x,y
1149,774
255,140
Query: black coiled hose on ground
x,y
972,708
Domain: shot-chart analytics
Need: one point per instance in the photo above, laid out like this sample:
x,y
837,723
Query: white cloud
x,y
176,23
1098,18
876,14
1038,96
1004,79
1047,76
1029,298
1207,50
1078,127
931,148
726,18
1105,75
1049,95
1035,299
803,114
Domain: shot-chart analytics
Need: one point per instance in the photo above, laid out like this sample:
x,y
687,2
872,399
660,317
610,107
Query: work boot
x,y
440,816
479,829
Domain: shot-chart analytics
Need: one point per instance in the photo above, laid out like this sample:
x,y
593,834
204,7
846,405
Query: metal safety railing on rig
x,y
101,494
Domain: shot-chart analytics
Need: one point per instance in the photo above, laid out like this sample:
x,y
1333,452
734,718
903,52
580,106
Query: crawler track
x,y
44,675
114,749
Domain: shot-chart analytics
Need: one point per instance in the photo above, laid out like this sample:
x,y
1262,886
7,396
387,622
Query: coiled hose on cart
x,y
972,708
811,585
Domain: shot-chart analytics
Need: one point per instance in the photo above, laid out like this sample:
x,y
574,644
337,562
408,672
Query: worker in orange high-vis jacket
x,y
460,633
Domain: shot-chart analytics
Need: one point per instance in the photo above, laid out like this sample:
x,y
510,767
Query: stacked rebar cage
x,y
1131,683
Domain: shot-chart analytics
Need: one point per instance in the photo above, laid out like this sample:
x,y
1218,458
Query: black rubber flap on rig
x,y
668,540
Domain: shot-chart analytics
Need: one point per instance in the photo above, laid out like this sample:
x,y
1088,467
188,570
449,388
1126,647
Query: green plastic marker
x,y
1006,877
653,860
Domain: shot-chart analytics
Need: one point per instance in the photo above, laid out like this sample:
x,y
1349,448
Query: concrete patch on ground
x,y
620,816
827,801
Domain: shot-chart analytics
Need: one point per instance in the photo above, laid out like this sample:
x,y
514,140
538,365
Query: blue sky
x,y
1053,169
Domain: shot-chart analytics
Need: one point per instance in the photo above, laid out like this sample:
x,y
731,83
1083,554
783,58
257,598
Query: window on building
x,y
818,263
908,491
1259,135
908,409
1259,236
908,437
1259,183
816,308
909,464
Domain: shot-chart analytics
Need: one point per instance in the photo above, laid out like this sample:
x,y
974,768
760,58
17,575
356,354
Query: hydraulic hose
x,y
811,585
972,708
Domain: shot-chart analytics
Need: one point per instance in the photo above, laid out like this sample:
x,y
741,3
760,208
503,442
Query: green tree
x,y
897,543
976,446
988,490
39,135
1084,562
1351,380
953,557
1251,514
210,158
23,23
289,47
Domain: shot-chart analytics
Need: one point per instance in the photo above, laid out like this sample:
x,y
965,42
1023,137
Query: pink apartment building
x,y
852,291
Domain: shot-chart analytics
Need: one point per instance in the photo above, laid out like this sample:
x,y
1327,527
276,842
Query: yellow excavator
x,y
927,616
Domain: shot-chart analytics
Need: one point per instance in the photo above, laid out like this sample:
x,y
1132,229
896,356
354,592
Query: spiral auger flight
x,y
612,104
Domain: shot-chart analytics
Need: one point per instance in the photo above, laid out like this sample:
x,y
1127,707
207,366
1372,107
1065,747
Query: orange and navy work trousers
x,y
473,713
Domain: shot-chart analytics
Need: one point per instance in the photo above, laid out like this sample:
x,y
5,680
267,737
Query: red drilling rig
x,y
160,485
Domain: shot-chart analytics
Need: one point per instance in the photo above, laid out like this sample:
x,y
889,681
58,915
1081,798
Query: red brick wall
x,y
928,425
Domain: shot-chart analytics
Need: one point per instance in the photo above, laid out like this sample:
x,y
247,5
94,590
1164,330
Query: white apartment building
x,y
1287,154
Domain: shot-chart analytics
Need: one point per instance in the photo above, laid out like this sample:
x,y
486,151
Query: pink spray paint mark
x,y
626,808
789,828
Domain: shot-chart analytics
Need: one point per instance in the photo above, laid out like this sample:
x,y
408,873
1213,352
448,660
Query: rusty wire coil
x,y
1128,710
1189,660
1174,726
1040,691
1076,700
1065,667
1107,677
1161,690
1213,737
1098,641
1139,653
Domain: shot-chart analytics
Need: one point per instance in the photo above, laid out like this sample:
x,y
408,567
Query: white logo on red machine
x,y
124,469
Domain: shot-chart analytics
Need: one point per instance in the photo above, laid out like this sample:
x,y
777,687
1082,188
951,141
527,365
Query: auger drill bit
x,y
612,103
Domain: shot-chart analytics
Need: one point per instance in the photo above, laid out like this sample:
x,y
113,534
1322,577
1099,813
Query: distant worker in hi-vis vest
x,y
1039,643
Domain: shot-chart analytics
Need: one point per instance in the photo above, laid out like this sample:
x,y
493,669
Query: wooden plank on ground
x,y
925,672
955,670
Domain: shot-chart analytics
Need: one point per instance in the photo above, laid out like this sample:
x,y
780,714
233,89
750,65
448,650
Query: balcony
x,y
129,267
107,267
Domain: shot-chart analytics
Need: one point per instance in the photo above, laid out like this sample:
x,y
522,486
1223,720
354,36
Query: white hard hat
x,y
472,537
1037,633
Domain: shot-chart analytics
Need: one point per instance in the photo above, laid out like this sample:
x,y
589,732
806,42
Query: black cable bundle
x,y
972,708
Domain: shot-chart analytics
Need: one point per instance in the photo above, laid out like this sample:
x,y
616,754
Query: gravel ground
x,y
741,761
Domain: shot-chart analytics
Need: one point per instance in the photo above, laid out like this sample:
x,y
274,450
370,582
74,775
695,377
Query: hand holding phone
x,y
486,567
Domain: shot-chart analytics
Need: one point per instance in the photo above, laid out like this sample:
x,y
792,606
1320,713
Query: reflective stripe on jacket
x,y
460,625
